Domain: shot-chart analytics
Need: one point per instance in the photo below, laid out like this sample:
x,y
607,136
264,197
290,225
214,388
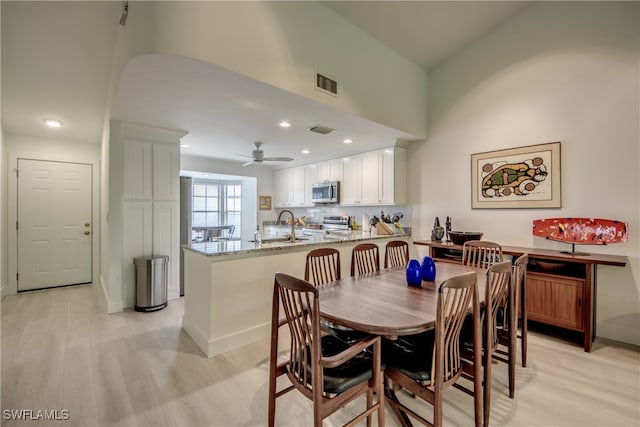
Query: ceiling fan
x,y
257,156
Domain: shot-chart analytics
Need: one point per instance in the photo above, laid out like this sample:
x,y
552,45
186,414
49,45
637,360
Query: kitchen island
x,y
229,284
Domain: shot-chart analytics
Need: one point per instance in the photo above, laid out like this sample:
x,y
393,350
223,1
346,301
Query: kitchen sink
x,y
279,240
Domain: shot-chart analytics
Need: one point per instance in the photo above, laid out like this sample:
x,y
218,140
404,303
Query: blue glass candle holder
x,y
428,268
414,273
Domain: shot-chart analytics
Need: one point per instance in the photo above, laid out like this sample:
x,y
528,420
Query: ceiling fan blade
x,y
278,159
242,155
248,163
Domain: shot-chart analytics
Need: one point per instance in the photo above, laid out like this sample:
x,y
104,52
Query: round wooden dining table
x,y
383,304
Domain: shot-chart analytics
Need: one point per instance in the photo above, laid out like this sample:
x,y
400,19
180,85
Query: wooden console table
x,y
561,291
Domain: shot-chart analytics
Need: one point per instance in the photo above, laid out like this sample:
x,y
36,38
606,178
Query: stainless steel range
x,y
336,223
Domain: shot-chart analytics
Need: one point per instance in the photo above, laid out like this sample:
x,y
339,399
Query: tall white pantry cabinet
x,y
150,202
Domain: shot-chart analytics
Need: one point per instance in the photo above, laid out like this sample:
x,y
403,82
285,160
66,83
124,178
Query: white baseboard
x,y
4,290
173,294
213,346
197,336
112,306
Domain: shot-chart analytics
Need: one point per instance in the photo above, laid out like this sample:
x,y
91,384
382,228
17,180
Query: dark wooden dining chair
x,y
322,266
519,283
396,254
365,258
481,253
428,363
498,293
325,370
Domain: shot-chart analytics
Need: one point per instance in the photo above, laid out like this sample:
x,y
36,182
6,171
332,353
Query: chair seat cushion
x,y
412,355
351,373
344,334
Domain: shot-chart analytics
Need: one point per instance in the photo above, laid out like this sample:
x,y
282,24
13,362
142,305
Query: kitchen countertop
x,y
238,247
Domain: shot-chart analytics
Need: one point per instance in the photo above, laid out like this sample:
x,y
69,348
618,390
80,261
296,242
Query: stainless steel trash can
x,y
151,282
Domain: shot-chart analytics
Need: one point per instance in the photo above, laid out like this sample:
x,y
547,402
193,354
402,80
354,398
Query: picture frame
x,y
264,203
517,178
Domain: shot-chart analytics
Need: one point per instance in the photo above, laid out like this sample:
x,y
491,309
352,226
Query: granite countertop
x,y
231,247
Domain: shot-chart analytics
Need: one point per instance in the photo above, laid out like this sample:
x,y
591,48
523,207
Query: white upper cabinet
x,y
375,178
281,188
310,178
296,179
137,170
330,170
372,178
166,172
361,184
293,186
393,179
151,171
350,186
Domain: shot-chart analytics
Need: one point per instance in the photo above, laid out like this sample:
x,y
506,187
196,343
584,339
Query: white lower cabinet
x,y
137,242
166,240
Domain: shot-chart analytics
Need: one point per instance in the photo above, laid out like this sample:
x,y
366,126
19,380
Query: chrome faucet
x,y
292,237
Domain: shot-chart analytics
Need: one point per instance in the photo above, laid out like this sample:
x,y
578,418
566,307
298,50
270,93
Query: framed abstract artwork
x,y
522,177
264,203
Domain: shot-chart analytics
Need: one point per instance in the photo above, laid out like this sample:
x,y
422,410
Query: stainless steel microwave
x,y
326,192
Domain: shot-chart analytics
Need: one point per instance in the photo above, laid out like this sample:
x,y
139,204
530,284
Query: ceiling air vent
x,y
326,84
323,130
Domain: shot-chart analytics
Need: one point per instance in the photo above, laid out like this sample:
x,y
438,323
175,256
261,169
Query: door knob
x,y
87,232
86,224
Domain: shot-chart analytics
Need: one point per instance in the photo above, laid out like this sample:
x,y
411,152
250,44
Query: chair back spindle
x,y
396,254
322,266
480,253
365,259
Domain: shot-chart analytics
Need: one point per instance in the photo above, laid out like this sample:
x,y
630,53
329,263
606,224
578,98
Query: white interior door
x,y
54,224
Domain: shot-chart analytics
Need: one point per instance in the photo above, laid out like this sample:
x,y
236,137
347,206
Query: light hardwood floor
x,y
61,351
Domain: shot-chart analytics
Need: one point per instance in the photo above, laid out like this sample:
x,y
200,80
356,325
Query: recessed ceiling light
x,y
285,124
53,123
185,146
305,151
348,141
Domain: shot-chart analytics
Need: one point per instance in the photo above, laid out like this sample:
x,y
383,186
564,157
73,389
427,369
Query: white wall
x,y
285,43
20,146
558,71
135,38
3,215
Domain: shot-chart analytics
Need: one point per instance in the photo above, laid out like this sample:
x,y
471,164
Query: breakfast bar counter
x,y
228,285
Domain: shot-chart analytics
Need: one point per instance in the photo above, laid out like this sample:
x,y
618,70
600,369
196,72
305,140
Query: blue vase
x,y
414,273
428,269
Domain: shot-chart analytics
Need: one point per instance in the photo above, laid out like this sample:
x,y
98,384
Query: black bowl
x,y
459,237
